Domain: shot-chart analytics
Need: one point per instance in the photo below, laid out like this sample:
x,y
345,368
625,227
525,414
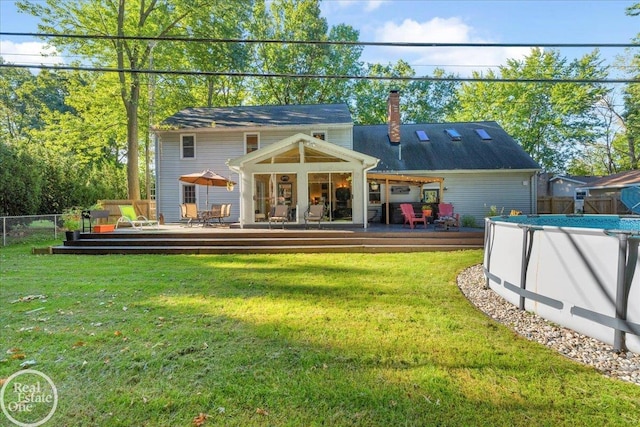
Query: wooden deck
x,y
177,239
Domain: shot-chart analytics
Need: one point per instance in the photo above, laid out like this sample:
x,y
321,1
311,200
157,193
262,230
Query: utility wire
x,y
317,76
315,42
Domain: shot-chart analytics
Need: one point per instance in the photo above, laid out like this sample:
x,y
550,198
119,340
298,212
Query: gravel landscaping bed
x,y
621,365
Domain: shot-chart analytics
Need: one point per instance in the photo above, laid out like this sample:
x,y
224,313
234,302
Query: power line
x,y
316,42
318,76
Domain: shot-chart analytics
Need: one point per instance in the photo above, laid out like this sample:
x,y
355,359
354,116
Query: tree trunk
x,y
133,181
633,160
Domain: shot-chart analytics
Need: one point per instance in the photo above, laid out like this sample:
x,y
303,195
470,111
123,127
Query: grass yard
x,y
284,340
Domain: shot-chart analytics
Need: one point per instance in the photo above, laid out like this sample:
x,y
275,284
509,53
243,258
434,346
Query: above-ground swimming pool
x,y
579,271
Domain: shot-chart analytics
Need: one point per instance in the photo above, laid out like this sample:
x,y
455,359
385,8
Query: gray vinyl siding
x,y
474,193
213,149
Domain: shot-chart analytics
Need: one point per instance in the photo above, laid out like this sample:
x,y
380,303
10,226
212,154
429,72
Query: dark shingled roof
x,y
440,152
252,116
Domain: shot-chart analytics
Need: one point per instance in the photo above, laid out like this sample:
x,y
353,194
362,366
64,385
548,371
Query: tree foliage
x,y
422,101
550,121
53,142
116,21
20,181
300,20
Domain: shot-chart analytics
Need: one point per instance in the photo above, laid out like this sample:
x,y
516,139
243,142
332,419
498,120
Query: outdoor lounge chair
x,y
128,215
315,213
280,213
447,220
411,217
189,211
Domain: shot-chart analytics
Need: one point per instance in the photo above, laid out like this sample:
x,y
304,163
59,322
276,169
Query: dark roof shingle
x,y
441,152
252,116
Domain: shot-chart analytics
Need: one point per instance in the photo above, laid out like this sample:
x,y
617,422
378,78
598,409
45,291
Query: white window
x,y
188,146
251,142
188,193
320,135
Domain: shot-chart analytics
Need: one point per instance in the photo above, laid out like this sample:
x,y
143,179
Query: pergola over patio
x,y
388,178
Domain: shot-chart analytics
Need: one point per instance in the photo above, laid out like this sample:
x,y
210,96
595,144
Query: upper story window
x,y
188,146
319,135
251,142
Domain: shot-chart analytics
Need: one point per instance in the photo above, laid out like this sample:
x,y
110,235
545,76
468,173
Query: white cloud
x,y
29,53
460,60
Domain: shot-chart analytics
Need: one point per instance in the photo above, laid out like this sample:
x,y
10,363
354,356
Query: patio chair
x,y
279,213
411,217
189,211
214,214
447,220
315,213
226,210
128,215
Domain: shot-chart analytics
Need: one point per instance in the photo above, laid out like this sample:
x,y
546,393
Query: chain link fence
x,y
30,228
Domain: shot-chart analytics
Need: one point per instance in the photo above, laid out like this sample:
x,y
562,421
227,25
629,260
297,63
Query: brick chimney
x,y
393,116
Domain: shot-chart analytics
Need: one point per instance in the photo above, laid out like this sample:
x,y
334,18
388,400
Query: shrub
x,y
468,221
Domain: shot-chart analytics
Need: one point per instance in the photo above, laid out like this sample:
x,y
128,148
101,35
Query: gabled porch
x,y
300,171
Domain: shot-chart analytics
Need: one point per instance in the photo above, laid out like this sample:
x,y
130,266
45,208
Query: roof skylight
x,y
453,134
483,134
422,135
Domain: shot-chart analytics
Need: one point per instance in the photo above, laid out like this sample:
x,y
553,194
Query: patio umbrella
x,y
630,196
208,178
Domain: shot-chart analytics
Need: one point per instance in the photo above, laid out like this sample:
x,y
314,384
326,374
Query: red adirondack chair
x,y
446,218
410,217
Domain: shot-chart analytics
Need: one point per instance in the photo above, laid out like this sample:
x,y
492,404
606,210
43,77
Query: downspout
x,y
534,193
158,156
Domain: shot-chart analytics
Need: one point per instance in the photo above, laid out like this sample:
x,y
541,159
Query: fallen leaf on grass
x,y
200,419
117,333
18,356
261,411
13,350
2,381
79,344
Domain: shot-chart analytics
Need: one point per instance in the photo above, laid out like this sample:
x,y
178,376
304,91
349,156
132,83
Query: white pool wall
x,y
577,268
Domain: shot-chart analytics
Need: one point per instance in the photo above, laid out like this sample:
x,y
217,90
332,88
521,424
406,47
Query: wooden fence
x,y
592,205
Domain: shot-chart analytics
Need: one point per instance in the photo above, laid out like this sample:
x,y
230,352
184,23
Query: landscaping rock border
x,y
622,365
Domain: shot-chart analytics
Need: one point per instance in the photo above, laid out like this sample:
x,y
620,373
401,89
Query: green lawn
x,y
291,340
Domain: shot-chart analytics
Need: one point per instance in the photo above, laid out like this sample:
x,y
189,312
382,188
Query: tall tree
x,y
300,20
369,101
550,121
224,20
116,21
431,101
25,98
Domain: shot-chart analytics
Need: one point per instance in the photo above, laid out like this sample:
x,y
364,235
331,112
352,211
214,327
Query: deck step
x,y
270,241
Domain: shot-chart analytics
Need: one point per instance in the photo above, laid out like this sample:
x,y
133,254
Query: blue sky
x,y
443,21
